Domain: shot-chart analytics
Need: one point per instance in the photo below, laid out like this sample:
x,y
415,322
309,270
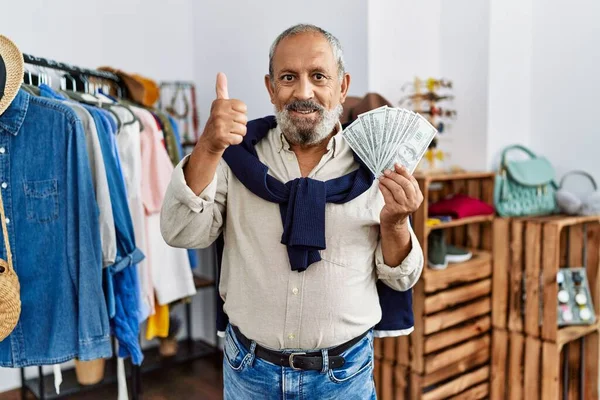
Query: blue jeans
x,y
246,377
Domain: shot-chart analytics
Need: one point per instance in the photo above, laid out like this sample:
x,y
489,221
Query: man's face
x,y
306,88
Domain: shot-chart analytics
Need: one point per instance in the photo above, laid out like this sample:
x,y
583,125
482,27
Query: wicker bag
x,y
10,300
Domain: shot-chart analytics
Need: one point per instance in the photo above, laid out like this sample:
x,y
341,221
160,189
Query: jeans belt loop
x,y
252,353
325,354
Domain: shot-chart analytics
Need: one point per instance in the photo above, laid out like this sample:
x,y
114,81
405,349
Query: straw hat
x,y
11,72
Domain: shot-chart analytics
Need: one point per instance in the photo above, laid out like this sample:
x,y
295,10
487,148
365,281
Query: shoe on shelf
x,y
456,254
436,250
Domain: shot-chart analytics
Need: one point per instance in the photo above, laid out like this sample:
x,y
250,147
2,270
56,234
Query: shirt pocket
x,y
351,235
41,199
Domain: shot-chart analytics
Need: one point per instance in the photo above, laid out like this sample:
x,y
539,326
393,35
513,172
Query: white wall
x,y
236,41
404,43
543,81
149,37
464,45
510,76
409,39
566,83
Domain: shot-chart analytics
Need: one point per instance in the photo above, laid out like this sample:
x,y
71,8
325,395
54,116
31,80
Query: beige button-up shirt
x,y
331,302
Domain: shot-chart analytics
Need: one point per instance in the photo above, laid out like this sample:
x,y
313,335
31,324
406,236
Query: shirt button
x,y
291,336
289,157
2,150
7,221
4,185
295,290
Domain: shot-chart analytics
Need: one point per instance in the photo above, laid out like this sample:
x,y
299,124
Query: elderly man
x,y
308,233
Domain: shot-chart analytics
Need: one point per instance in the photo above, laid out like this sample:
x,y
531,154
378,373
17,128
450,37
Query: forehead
x,y
307,50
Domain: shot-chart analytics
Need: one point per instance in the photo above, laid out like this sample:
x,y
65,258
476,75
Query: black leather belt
x,y
306,361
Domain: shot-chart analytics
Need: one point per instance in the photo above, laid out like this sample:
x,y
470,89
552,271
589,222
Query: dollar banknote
x,y
387,135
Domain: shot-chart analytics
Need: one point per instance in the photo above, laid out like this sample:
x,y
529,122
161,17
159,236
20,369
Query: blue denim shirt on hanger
x,y
54,232
121,276
120,280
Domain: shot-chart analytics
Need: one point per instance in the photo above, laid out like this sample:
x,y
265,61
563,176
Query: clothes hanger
x,y
29,86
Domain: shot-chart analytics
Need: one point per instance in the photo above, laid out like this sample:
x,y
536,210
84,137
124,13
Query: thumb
x,y
221,87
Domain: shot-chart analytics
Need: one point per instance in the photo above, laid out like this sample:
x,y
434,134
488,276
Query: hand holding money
x,y
401,193
227,122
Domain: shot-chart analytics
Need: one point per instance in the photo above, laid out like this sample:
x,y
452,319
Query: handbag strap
x,y
5,233
580,173
515,147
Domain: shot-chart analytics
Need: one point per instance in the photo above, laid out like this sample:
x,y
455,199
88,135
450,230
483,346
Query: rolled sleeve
x,y
182,192
190,221
405,275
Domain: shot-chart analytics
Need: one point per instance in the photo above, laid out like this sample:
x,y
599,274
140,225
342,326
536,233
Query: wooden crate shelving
x,y
529,348
527,258
529,368
487,328
450,347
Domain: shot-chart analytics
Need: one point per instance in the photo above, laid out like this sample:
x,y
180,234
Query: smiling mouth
x,y
305,112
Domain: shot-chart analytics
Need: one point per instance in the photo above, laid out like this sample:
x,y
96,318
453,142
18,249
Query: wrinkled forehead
x,y
304,52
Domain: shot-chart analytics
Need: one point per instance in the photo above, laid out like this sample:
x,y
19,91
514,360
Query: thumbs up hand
x,y
226,125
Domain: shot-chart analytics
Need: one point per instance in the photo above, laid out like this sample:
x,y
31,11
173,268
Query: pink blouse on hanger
x,y
171,271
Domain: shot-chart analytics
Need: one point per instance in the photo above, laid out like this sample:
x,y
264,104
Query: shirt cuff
x,y
413,261
185,195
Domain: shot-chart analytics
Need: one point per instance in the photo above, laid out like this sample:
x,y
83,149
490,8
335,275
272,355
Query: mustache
x,y
304,105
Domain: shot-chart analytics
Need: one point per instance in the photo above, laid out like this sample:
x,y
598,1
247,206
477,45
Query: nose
x,y
304,89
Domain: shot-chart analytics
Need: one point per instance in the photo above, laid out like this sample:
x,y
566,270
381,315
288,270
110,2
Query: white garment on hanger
x,y
128,145
171,270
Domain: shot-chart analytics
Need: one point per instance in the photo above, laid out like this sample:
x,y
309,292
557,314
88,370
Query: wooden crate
x,y
391,381
529,368
527,254
393,349
452,305
472,384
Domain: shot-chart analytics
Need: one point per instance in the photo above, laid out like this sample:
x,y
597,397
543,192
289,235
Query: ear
x,y
345,87
270,88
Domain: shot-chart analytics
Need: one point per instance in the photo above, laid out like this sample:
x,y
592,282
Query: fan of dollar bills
x,y
386,135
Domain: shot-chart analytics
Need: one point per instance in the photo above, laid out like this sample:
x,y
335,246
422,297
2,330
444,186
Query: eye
x,y
319,76
287,78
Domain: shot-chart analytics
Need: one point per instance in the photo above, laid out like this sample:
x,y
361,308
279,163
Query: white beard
x,y
308,132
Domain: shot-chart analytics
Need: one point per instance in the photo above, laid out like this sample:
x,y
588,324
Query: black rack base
x,y
187,351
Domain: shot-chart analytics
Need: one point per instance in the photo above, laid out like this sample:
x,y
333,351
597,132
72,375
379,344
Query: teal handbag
x,y
525,187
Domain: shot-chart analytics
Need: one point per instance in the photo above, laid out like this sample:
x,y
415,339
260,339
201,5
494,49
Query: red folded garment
x,y
460,206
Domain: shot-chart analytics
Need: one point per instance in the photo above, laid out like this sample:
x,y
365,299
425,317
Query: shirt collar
x,y
333,144
12,119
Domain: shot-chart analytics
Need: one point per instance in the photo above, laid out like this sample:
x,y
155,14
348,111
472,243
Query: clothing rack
x,y
71,69
190,349
75,71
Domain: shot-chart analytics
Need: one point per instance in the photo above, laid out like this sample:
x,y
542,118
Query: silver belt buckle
x,y
291,360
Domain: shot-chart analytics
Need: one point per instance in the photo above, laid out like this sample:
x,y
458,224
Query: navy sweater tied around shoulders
x,y
302,208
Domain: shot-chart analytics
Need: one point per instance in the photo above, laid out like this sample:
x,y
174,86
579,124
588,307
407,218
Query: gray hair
x,y
336,47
